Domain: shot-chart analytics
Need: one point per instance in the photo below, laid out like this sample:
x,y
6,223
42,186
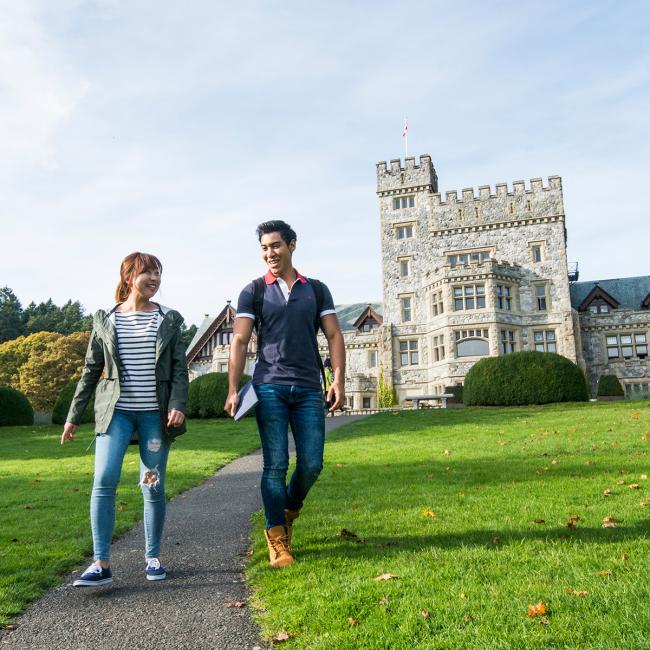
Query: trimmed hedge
x,y
207,395
62,406
524,378
15,408
609,386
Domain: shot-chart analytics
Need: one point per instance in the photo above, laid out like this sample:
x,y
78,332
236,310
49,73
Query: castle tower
x,y
475,275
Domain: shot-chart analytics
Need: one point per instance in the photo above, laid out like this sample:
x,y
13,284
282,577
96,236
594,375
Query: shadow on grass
x,y
491,539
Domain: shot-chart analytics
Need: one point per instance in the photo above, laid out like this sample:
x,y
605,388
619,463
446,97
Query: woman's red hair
x,y
132,265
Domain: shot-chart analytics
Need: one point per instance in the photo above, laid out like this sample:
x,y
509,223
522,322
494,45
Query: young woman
x,y
136,362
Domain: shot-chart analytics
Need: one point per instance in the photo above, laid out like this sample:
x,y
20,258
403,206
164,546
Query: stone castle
x,y
466,277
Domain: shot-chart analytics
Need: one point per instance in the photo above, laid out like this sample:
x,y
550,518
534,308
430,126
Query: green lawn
x,y
45,490
470,509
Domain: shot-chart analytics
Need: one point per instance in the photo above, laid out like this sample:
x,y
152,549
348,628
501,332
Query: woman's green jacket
x,y
102,369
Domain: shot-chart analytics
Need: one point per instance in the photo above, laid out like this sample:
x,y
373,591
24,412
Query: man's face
x,y
276,253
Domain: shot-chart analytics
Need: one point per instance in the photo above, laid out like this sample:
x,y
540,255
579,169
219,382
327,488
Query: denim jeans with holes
x,y
109,454
278,407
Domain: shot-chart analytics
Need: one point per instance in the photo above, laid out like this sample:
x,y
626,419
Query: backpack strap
x,y
317,286
258,305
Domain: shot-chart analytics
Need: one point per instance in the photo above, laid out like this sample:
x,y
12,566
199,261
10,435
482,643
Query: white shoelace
x,y
93,568
153,563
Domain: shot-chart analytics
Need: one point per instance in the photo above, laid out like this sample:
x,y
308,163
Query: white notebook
x,y
247,400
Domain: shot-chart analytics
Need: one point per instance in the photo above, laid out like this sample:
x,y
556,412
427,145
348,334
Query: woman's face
x,y
146,283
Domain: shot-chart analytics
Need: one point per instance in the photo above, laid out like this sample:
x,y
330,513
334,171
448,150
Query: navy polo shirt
x,y
289,353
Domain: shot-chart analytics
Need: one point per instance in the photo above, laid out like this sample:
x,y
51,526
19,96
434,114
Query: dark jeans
x,y
280,406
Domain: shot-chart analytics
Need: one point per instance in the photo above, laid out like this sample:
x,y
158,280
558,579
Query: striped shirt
x,y
136,343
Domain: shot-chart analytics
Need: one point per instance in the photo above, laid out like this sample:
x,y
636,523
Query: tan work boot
x,y
290,515
277,540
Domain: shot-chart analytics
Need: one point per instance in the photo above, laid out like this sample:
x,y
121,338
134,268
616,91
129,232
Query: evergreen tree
x,y
11,315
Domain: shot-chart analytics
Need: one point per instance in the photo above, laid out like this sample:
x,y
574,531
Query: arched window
x,y
472,348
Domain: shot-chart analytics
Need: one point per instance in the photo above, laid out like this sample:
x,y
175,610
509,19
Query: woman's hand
x,y
68,432
175,418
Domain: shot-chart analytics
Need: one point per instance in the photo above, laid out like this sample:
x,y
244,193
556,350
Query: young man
x,y
287,378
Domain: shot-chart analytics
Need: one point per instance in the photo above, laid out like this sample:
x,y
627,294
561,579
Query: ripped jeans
x,y
109,454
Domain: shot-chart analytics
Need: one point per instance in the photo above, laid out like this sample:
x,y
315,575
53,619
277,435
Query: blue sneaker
x,y
154,570
94,576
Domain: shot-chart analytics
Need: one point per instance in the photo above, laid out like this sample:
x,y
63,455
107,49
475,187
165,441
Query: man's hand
x,y
336,395
232,402
175,418
68,432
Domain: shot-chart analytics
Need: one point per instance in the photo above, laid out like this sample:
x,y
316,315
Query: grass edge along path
x,y
491,528
45,491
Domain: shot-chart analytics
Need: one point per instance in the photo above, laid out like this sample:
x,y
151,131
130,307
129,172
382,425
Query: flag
x,y
406,129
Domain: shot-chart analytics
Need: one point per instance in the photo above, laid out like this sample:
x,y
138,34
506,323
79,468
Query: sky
x,y
176,127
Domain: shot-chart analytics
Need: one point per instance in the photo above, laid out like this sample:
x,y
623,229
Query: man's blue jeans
x,y
109,454
280,406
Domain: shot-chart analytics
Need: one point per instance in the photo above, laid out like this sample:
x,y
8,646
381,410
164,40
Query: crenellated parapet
x,y
394,178
521,203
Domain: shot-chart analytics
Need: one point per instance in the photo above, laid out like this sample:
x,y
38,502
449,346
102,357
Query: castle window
x,y
408,353
223,367
366,402
406,304
372,358
368,325
404,232
224,337
626,346
437,305
528,206
540,297
599,307
463,259
404,267
472,343
504,297
544,340
508,343
439,347
400,202
469,296
537,249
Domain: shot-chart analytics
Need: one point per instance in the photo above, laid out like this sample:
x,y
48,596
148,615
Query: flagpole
x,y
405,133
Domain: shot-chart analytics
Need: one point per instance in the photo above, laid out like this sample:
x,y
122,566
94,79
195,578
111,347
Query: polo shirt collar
x,y
269,278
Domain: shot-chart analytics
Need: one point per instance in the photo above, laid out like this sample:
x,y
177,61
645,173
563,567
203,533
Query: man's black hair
x,y
286,231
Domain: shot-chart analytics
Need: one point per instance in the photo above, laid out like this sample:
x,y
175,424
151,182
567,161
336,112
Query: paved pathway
x,y
206,539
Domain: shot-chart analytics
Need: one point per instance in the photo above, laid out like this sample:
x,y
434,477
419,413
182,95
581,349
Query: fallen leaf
x,y
645,503
554,461
235,603
496,540
352,621
468,618
644,477
339,465
543,621
614,444
537,610
425,614
344,532
355,506
281,637
634,486
571,525
387,576
121,506
609,522
10,627
620,482
607,493
573,592
446,452
624,557
429,513
539,521
604,572
575,517
383,600
463,596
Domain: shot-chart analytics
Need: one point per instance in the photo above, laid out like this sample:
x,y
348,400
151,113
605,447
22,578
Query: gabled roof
x,y
598,293
207,328
349,314
628,292
366,314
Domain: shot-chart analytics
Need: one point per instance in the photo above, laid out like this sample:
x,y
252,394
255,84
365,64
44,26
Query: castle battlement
x,y
410,176
519,189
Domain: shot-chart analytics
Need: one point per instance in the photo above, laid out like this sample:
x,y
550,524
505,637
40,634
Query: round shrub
x,y
15,408
62,405
207,395
609,386
524,378
456,391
